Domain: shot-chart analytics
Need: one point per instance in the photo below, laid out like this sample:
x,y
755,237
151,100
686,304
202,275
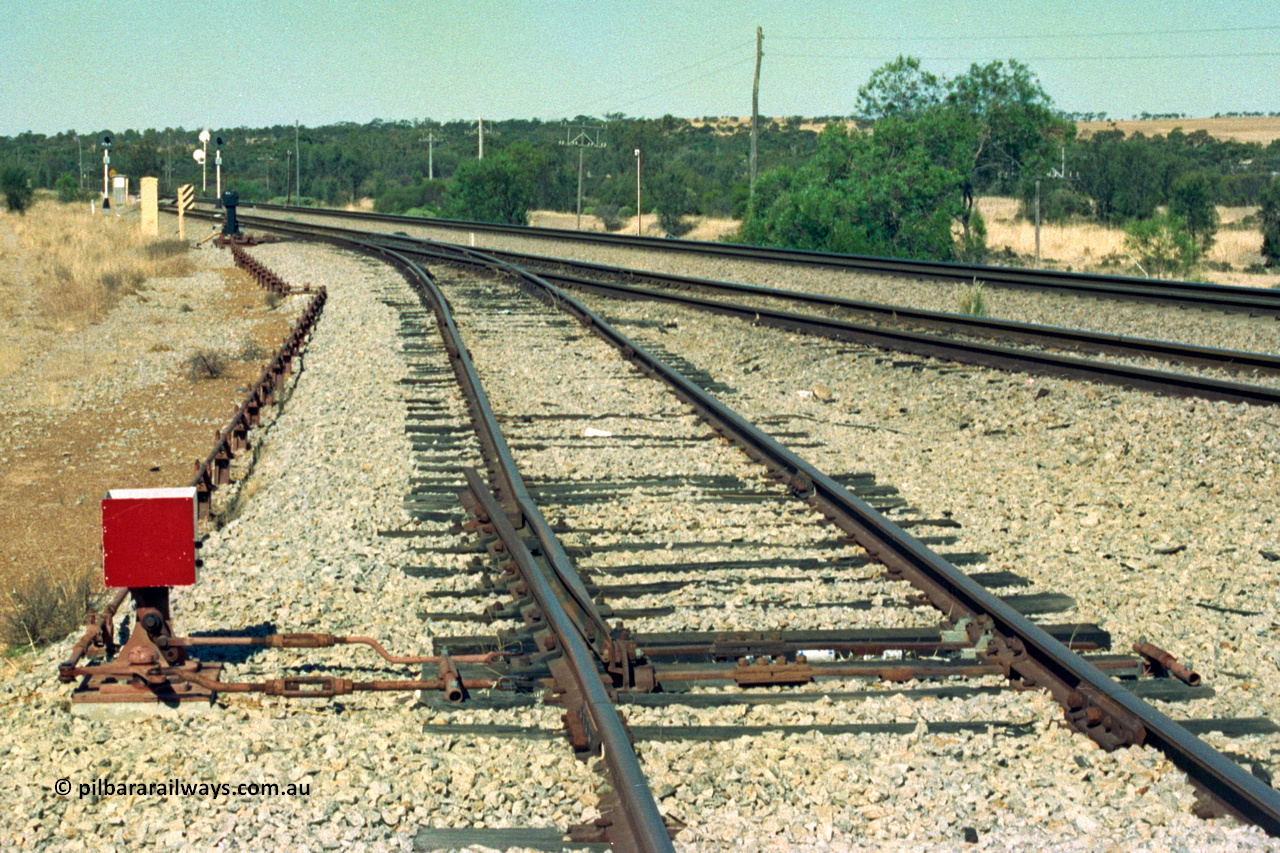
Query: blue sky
x,y
93,64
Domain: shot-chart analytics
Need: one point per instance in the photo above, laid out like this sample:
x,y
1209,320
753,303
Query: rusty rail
x,y
262,274
1197,294
630,820
1094,703
215,470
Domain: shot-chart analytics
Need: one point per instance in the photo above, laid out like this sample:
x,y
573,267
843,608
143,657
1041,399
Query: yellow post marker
x,y
186,200
150,217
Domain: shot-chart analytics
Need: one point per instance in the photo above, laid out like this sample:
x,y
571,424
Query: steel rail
x,y
1223,297
920,343
645,829
642,829
501,462
898,315
1095,704
512,492
969,352
953,349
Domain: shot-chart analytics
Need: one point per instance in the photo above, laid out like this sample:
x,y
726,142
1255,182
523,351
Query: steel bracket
x,y
764,671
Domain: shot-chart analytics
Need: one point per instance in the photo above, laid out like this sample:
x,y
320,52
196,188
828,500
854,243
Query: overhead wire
x,y
1036,36
612,100
1054,58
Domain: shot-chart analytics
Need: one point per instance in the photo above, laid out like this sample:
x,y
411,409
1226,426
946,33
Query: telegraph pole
x,y
582,141
168,162
638,214
267,159
1054,174
755,116
431,139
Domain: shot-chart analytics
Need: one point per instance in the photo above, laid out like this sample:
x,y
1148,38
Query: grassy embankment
x,y
60,271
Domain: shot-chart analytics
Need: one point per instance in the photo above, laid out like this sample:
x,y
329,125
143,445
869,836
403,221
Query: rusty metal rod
x,y
1158,658
318,641
319,687
103,619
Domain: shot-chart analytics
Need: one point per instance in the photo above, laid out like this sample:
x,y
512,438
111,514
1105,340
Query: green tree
x,y
1013,130
16,185
899,89
1270,214
1191,200
1120,175
489,190
425,196
542,168
886,193
672,197
142,158
1163,245
69,189
999,112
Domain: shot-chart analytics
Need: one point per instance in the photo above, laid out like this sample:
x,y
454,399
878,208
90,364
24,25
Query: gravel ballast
x,y
304,555
1113,497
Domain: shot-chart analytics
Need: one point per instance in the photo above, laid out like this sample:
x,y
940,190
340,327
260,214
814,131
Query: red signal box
x,y
149,537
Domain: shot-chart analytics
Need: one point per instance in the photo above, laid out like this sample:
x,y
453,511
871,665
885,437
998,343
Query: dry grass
x,y
65,448
1088,246
1261,129
82,265
43,610
971,301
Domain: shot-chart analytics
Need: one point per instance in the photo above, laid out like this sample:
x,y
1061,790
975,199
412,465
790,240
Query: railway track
x,y
950,336
747,645
751,657
1046,350
779,658
1218,297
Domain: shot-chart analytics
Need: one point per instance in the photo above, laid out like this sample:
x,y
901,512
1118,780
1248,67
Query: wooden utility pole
x,y
431,139
755,116
586,137
267,159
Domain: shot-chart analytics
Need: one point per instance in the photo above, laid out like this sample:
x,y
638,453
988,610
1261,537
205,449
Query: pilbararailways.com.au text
x,y
179,788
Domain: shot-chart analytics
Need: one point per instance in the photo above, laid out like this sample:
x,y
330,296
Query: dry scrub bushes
x,y
82,265
42,610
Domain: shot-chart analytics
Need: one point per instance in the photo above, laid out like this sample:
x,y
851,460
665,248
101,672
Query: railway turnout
x,y
638,552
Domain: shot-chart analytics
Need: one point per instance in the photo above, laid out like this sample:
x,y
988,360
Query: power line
x,y
1034,36
1041,59
748,60
612,98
